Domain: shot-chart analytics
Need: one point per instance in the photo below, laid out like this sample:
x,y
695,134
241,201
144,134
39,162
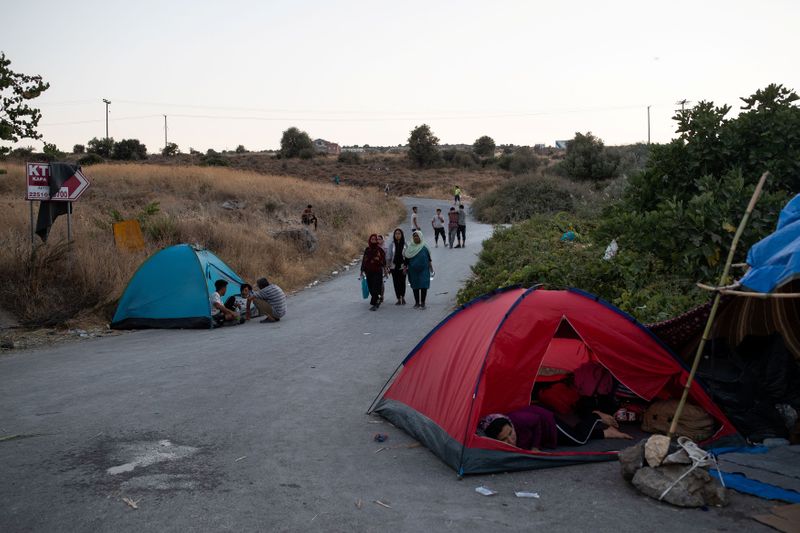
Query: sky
x,y
357,72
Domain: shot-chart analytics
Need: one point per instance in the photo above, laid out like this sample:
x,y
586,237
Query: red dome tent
x,y
485,357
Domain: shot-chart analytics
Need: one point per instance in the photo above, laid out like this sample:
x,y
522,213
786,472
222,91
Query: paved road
x,y
262,428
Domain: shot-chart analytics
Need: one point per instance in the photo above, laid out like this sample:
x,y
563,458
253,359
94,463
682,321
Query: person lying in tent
x,y
219,313
535,428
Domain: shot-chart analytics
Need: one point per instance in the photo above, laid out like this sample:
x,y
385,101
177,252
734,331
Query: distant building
x,y
321,146
354,149
562,145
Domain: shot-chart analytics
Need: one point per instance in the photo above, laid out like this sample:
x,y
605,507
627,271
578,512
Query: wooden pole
x,y
712,315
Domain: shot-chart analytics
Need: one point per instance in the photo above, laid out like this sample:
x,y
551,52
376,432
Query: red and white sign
x,y
39,185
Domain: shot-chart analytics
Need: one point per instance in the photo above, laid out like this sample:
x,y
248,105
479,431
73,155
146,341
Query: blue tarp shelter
x,y
172,288
775,259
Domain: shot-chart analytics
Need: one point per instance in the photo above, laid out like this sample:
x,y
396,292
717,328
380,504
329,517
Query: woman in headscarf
x,y
419,268
395,260
382,244
373,266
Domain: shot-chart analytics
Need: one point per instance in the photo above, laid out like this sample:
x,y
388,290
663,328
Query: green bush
x,y
101,147
213,158
587,159
79,149
423,146
459,158
484,146
531,253
171,149
129,150
241,149
349,158
294,141
523,197
91,159
520,161
306,153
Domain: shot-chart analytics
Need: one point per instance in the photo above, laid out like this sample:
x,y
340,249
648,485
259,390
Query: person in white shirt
x,y
414,221
219,312
438,228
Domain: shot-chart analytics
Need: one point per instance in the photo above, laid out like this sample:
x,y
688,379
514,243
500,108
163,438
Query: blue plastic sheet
x,y
775,259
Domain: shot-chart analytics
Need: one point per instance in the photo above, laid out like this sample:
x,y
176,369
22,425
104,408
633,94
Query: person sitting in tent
x,y
308,217
240,304
270,300
219,312
535,428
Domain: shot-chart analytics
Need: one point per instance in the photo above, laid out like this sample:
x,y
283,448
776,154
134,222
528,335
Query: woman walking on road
x,y
419,268
396,263
385,249
373,266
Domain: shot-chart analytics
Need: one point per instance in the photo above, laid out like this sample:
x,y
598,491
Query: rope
x,y
699,457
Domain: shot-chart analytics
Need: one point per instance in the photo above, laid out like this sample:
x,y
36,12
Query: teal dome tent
x,y
172,288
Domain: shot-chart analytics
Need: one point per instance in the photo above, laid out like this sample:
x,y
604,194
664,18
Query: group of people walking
x,y
402,260
456,226
409,260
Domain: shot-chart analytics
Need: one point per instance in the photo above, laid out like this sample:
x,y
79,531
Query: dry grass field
x,y
373,170
61,284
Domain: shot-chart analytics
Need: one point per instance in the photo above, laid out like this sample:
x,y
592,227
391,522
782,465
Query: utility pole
x,y
107,102
165,132
648,124
683,103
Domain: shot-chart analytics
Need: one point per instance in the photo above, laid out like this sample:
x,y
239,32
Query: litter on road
x,y
486,491
522,494
383,504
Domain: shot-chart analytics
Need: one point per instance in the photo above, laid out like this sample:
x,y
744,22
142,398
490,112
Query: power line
x,y
95,121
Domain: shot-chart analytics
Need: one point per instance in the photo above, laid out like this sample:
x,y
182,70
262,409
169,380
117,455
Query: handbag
x,y
364,288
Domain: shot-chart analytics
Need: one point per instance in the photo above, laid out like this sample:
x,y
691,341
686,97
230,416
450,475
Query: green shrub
x,y
459,158
294,141
531,253
171,149
523,197
79,149
423,146
213,159
484,146
349,158
587,159
306,153
241,149
101,147
91,159
129,150
520,161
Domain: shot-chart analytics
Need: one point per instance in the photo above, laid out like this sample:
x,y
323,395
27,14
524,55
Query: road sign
x,y
38,176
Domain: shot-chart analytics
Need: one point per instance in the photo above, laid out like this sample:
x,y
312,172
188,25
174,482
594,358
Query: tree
x,y
294,142
101,147
423,146
52,151
129,149
241,149
170,149
17,119
587,159
78,149
484,146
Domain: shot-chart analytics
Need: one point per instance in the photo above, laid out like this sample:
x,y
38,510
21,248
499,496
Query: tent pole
x,y
712,315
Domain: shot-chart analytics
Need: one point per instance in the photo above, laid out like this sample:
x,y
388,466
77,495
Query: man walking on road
x,y
457,195
452,225
414,220
438,228
462,227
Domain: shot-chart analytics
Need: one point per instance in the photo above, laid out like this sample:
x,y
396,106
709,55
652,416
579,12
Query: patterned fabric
x,y
737,317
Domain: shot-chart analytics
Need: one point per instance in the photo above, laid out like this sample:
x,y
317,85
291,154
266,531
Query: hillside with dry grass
x,y
371,170
62,284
